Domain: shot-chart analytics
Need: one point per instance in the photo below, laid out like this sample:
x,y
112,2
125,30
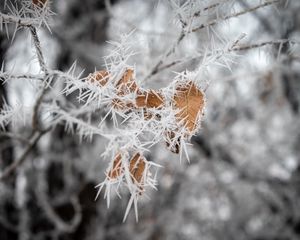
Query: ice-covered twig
x,y
157,68
236,48
237,14
37,45
26,14
18,21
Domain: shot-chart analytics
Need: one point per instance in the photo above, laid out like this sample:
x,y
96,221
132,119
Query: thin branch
x,y
41,59
38,49
217,20
4,76
157,68
35,116
12,168
19,21
207,8
234,49
262,44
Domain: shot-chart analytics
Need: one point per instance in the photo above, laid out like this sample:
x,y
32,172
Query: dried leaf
x,y
100,77
126,84
189,100
149,99
117,168
137,167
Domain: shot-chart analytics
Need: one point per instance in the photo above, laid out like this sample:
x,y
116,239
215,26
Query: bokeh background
x,y
242,181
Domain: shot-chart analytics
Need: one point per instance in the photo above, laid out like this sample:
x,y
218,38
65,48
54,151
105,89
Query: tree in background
x,y
70,100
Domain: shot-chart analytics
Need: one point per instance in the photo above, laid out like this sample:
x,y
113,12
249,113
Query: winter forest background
x,y
239,177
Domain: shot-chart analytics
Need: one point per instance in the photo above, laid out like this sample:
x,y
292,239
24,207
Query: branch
x,y
215,21
4,76
207,8
41,59
19,21
234,49
262,44
157,68
38,49
12,168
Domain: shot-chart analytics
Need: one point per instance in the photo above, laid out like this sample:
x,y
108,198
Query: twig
x,y
258,45
38,49
19,21
12,168
217,20
157,68
207,8
5,76
234,49
35,116
41,59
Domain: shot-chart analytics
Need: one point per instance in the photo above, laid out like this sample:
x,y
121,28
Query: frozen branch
x,y
37,45
5,76
157,68
262,44
19,21
237,14
236,48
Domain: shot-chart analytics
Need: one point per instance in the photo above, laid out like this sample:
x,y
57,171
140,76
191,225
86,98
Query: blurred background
x,y
242,181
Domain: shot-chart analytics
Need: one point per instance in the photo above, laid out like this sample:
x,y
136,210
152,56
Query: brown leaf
x,y
149,99
127,83
125,86
189,100
137,167
100,77
117,168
